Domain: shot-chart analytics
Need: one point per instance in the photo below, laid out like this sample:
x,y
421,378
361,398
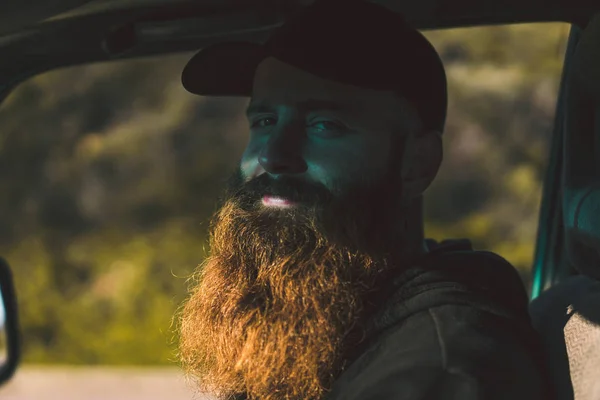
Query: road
x,y
67,383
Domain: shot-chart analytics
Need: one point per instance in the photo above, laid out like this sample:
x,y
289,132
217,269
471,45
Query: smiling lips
x,y
274,201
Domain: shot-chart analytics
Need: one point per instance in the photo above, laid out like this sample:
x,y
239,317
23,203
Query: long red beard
x,y
272,306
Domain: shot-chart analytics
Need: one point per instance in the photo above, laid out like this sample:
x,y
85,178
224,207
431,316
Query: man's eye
x,y
263,122
328,127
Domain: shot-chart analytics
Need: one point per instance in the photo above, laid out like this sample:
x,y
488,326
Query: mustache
x,y
295,189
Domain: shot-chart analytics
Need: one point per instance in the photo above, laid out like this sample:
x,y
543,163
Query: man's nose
x,y
282,154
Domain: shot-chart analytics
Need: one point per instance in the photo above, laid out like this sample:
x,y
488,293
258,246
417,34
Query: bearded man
x,y
320,284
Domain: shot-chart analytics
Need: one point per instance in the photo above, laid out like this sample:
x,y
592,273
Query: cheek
x,y
249,164
360,163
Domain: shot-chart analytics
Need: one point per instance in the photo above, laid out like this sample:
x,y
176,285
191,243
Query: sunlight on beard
x,y
273,307
279,305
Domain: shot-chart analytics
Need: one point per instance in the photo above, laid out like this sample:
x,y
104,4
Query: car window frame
x,y
550,264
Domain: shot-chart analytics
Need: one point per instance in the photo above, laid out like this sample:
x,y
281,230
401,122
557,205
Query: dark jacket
x,y
456,327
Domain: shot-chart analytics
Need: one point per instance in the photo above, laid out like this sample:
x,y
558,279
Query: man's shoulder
x,y
460,315
476,353
454,274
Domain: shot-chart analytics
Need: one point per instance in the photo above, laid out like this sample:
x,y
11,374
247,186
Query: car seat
x,y
568,315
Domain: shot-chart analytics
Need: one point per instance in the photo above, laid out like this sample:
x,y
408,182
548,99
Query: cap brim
x,y
224,69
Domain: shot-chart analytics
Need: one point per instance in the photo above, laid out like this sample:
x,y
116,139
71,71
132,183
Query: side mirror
x,y
10,349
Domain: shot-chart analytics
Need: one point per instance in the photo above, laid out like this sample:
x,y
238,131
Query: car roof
x,y
39,35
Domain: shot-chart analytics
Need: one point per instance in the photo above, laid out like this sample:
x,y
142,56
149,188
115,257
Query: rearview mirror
x,y
9,327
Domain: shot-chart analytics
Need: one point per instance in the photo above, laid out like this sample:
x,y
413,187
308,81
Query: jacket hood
x,y
482,280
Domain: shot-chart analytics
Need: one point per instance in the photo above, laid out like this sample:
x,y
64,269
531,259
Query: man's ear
x,y
422,159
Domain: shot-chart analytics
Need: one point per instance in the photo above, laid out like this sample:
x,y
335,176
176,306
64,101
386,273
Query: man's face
x,y
338,136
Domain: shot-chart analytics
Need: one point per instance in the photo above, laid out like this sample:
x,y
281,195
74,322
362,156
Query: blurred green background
x,y
110,172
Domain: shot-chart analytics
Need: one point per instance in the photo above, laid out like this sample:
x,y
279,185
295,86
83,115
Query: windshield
x,y
110,173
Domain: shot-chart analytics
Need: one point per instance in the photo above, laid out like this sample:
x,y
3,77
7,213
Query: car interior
x,y
567,314
43,35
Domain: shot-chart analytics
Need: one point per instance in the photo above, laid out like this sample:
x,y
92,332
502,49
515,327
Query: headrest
x,y
581,170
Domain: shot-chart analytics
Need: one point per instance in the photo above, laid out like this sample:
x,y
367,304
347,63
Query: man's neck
x,y
408,233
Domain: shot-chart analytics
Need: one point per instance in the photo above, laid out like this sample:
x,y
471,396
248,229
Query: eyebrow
x,y
306,106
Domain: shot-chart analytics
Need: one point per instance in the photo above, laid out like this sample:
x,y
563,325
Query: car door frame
x,y
550,265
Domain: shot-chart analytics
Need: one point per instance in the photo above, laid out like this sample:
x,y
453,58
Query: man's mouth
x,y
276,201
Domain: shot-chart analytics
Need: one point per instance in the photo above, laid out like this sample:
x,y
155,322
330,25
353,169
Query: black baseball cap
x,y
348,41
